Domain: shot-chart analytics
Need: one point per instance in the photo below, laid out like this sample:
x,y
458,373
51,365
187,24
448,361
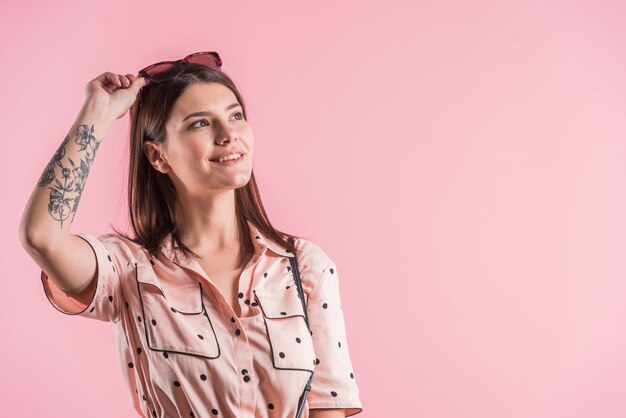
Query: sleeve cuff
x,y
66,303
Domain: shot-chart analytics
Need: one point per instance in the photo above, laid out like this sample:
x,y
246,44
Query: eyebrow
x,y
205,113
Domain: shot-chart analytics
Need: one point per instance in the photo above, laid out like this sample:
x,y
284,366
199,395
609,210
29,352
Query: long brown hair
x,y
152,196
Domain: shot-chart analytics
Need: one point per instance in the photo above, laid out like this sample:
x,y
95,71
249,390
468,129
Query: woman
x,y
204,298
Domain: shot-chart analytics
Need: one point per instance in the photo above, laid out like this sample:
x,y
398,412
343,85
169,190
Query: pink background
x,y
462,161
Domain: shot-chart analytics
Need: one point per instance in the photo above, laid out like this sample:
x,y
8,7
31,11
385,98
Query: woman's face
x,y
206,122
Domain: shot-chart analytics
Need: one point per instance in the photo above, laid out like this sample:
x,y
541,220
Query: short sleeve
x,y
111,258
334,385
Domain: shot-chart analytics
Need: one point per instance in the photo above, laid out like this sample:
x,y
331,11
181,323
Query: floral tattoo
x,y
65,195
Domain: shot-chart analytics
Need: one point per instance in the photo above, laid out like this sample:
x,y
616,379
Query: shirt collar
x,y
260,242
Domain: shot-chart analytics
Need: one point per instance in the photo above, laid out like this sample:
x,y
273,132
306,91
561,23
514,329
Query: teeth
x,y
229,157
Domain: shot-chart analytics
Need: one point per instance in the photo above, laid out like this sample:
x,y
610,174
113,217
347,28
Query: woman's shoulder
x,y
119,246
313,260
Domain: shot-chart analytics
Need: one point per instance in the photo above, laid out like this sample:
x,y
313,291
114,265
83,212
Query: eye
x,y
194,124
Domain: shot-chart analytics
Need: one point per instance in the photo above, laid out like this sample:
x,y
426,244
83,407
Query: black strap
x,y
296,274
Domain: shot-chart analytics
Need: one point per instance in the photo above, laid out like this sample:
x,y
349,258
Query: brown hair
x,y
152,196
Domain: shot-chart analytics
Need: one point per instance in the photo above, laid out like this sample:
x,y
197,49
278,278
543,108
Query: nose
x,y
225,132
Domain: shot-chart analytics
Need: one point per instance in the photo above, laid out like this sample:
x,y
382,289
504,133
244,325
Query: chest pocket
x,y
290,340
174,317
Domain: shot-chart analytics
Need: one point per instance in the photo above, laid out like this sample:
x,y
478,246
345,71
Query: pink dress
x,y
184,351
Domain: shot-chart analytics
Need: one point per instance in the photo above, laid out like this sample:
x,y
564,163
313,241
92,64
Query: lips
x,y
230,161
226,154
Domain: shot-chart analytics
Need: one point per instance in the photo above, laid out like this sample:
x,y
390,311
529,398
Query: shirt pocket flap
x,y
280,305
185,297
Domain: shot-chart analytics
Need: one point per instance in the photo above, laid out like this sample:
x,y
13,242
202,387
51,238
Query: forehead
x,y
211,97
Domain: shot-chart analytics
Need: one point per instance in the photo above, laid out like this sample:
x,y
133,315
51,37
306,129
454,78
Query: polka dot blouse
x,y
187,354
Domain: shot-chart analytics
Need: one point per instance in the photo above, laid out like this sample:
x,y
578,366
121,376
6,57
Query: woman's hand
x,y
115,93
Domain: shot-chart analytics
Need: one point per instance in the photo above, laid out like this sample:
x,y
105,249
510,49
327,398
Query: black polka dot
x,y
154,413
254,304
165,354
131,365
232,319
288,268
339,344
126,304
281,354
298,340
317,361
203,376
287,287
244,371
138,350
110,298
325,306
237,332
246,378
201,337
91,310
109,257
113,268
333,393
352,375
264,274
214,411
176,383
270,405
144,397
153,322
332,271
283,313
247,302
139,318
240,297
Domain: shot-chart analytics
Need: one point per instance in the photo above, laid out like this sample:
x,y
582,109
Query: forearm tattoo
x,y
66,192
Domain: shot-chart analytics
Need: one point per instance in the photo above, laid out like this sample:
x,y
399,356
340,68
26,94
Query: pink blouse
x,y
187,354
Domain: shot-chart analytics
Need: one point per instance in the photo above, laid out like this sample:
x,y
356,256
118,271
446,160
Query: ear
x,y
155,156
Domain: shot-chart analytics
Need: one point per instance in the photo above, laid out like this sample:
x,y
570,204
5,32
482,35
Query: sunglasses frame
x,y
179,63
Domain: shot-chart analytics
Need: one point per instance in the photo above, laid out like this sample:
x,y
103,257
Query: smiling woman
x,y
212,319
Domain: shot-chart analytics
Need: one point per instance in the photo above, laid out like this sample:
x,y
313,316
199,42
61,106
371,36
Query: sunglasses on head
x,y
166,70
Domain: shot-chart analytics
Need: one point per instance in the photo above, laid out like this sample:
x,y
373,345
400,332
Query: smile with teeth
x,y
228,158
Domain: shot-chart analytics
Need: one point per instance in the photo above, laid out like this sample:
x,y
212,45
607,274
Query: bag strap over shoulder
x,y
296,275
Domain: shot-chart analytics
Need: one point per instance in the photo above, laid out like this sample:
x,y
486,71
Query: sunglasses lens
x,y
209,60
161,71
166,70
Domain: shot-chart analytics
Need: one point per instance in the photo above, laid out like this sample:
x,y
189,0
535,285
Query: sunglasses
x,y
166,70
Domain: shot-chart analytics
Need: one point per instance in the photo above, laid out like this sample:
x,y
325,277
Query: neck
x,y
209,224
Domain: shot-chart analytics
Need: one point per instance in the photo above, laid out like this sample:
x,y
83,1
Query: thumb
x,y
137,84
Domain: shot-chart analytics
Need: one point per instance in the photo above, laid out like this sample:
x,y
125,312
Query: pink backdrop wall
x,y
462,161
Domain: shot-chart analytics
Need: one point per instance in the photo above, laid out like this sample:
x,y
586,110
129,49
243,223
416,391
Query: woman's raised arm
x,y
45,225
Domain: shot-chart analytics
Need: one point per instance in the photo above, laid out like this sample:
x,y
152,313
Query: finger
x,y
138,83
113,79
